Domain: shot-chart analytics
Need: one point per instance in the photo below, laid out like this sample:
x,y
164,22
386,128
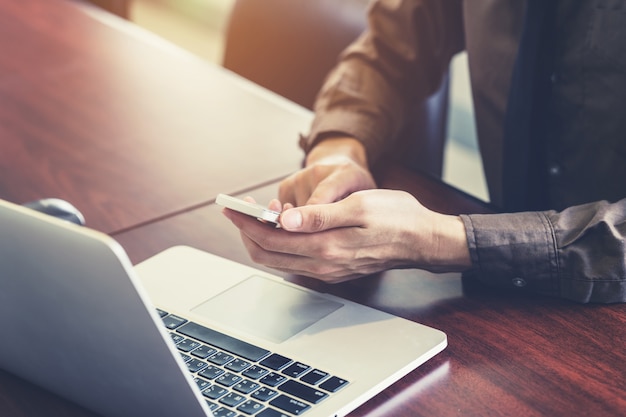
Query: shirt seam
x,y
471,241
552,253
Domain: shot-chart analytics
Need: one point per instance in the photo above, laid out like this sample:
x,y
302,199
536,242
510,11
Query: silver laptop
x,y
186,333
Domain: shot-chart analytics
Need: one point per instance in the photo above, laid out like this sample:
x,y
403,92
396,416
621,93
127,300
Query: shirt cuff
x,y
516,251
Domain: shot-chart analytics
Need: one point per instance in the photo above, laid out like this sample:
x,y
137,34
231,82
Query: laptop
x,y
186,333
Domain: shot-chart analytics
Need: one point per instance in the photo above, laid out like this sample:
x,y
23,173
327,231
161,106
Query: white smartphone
x,y
251,209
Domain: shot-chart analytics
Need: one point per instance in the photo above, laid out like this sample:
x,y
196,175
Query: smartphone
x,y
251,209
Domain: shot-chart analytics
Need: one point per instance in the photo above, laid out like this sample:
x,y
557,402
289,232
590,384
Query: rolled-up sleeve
x,y
577,254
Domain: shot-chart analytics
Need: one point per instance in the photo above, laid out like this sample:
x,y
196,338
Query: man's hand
x,y
367,232
334,169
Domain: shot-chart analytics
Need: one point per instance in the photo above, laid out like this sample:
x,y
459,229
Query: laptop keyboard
x,y
239,379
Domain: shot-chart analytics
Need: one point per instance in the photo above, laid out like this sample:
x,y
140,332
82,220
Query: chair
x,y
289,46
119,7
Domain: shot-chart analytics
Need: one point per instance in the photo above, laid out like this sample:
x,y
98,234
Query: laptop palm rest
x,y
275,313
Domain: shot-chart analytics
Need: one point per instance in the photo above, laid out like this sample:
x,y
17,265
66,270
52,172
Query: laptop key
x,y
246,386
250,407
255,372
237,365
264,394
203,351
220,358
296,369
276,361
187,345
290,405
214,392
314,377
230,344
228,379
211,372
224,412
333,384
273,379
302,391
270,412
194,365
232,399
172,321
202,383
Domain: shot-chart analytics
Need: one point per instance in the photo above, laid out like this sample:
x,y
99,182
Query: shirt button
x,y
554,78
519,282
554,170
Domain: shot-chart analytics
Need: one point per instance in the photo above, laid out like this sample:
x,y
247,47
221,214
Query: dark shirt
x,y
574,249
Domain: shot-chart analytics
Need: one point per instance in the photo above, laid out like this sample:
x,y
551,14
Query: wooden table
x,y
124,125
508,355
141,136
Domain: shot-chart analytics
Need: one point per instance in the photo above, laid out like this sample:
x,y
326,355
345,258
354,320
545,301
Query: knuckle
x,y
323,270
256,256
328,254
319,219
263,241
319,171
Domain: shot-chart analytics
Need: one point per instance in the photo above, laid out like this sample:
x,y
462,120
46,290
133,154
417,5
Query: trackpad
x,y
267,309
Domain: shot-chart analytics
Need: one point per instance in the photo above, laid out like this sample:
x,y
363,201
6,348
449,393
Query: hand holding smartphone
x,y
251,209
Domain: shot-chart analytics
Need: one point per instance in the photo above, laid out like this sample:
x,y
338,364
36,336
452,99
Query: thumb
x,y
317,218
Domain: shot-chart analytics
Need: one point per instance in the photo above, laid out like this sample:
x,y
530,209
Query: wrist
x,y
334,148
450,245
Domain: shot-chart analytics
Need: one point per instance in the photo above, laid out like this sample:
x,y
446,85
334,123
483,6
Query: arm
x,y
397,62
578,254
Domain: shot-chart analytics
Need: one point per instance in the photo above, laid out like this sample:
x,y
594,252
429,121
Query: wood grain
x,y
124,125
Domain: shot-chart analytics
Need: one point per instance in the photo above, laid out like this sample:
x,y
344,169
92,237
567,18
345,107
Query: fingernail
x,y
291,220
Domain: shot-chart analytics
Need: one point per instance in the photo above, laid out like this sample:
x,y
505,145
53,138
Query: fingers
x,y
309,218
300,187
322,183
297,264
330,254
320,217
275,205
276,241
327,191
295,189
